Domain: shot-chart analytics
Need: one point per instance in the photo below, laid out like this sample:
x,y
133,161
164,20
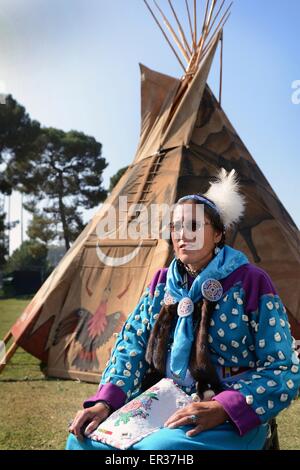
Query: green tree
x,y
5,227
31,256
40,228
116,177
17,132
63,170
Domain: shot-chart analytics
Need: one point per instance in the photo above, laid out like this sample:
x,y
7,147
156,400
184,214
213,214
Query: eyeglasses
x,y
189,226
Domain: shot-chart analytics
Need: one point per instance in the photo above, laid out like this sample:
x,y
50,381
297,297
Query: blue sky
x,y
74,65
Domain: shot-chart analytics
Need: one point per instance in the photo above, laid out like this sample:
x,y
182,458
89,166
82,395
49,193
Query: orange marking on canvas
x,y
125,290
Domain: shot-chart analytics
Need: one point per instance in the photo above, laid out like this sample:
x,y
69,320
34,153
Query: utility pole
x,y
8,224
22,218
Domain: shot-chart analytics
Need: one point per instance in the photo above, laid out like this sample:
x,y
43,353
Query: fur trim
x,y
226,196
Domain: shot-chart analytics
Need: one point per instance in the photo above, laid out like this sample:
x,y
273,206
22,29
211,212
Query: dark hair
x,y
201,367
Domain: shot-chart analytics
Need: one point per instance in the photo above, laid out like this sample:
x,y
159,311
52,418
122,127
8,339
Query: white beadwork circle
x,y
185,307
168,299
212,290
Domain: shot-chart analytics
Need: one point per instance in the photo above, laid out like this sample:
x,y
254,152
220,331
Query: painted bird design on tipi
x,y
91,332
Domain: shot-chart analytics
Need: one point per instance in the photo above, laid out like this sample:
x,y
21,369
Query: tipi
x,y
185,138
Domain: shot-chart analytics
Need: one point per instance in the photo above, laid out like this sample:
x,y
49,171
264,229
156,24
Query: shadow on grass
x,y
24,379
17,297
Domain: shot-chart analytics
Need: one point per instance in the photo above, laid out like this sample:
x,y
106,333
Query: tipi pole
x,y
204,20
195,23
220,26
221,69
185,53
11,351
216,16
191,27
7,337
203,35
180,27
212,7
209,27
166,37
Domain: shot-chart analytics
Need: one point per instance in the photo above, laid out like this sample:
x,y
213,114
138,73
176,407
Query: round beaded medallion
x,y
185,307
212,290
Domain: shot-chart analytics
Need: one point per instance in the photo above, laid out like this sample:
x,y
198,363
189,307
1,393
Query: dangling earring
x,y
217,250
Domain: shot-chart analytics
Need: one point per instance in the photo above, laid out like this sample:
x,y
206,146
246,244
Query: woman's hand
x,y
209,415
93,416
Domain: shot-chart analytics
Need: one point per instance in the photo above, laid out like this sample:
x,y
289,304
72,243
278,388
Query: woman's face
x,y
193,236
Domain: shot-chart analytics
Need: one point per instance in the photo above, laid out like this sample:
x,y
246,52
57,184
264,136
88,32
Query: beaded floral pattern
x,y
138,407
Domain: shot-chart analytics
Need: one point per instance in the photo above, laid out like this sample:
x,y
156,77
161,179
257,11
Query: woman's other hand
x,y
209,415
89,417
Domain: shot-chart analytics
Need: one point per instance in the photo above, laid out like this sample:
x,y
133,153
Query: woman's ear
x,y
218,237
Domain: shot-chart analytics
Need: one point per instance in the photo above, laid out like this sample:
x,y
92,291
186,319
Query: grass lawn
x,y
35,411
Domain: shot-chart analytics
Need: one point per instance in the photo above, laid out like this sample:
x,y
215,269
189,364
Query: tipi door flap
x,y
98,302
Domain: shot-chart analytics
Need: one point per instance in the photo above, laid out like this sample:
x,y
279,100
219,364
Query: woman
x,y
212,322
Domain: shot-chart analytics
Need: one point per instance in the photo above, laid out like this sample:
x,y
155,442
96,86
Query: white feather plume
x,y
225,194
